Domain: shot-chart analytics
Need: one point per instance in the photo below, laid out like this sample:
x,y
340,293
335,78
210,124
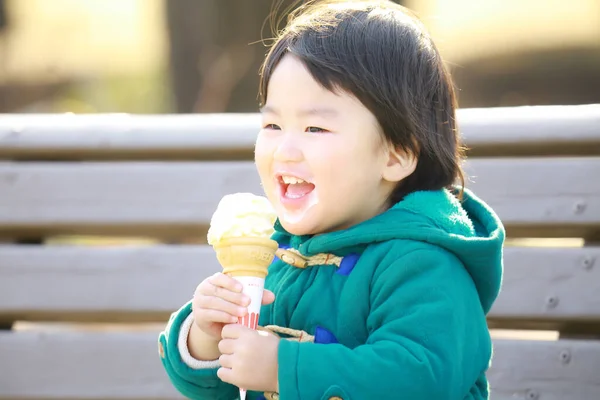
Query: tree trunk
x,y
216,51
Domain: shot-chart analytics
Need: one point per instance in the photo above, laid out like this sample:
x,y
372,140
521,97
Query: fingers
x,y
224,287
219,299
218,304
226,282
226,346
225,374
233,331
268,297
226,361
207,315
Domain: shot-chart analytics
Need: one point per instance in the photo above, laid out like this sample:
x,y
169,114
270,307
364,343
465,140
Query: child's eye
x,y
272,126
316,129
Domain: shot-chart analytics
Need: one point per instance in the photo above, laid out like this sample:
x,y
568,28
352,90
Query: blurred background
x,y
197,56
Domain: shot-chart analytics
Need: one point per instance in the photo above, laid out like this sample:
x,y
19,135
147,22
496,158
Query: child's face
x,y
320,155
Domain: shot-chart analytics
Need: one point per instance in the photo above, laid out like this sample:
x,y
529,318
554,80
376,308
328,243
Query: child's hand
x,y
219,301
249,358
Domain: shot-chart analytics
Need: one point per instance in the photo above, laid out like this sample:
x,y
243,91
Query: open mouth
x,y
294,188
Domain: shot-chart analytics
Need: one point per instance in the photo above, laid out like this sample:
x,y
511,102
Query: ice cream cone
x,y
240,231
247,260
246,256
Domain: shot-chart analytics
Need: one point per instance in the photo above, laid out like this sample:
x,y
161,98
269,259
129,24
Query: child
x,y
358,153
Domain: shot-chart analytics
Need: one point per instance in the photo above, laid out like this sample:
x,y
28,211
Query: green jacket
x,y
403,316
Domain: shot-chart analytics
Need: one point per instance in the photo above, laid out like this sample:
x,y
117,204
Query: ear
x,y
400,164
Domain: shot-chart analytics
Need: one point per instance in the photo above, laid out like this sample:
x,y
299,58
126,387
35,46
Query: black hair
x,y
379,52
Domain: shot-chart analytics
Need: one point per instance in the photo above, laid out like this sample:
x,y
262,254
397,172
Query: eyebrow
x,y
320,111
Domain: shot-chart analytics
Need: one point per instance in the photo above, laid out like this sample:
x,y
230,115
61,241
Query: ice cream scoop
x,y
241,215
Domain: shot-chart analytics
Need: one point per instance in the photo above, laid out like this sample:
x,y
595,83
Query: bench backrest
x,y
159,178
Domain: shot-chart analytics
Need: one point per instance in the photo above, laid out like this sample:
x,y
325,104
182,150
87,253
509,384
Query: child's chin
x,y
300,228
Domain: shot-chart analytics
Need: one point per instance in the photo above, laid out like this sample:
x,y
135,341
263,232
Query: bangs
x,y
339,47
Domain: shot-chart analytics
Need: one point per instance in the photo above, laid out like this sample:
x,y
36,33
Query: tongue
x,y
299,189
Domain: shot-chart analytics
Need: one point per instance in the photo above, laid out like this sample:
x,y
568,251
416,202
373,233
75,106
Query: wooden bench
x,y
160,178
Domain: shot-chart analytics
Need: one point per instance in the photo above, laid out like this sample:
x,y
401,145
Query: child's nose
x,y
288,149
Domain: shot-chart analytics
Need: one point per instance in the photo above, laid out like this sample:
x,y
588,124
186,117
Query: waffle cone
x,y
246,256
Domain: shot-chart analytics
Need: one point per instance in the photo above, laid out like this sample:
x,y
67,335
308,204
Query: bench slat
x,y
133,284
531,130
124,136
119,365
534,197
537,130
554,370
126,366
549,288
104,284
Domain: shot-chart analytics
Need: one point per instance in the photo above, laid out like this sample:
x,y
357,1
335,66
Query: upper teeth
x,y
290,180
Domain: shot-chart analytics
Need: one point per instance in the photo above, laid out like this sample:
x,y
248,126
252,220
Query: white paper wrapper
x,y
253,288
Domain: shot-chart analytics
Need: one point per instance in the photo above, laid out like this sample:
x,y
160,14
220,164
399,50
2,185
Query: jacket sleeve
x,y
193,383
425,326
